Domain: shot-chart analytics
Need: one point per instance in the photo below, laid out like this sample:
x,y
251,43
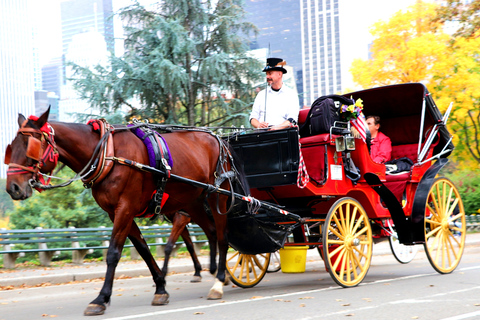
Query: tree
x,y
457,81
6,203
466,16
408,48
185,63
405,49
60,208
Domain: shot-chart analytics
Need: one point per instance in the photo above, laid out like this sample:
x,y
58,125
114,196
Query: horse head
x,y
31,152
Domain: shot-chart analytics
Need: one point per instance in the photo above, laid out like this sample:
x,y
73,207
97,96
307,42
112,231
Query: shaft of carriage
x,y
215,189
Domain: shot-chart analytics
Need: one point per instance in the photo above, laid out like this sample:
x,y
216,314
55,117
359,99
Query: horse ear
x,y
21,119
43,118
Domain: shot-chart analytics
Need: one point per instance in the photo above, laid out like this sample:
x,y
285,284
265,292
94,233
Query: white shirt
x,y
281,105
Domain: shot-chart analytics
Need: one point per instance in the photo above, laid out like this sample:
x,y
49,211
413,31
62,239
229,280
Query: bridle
x,y
40,150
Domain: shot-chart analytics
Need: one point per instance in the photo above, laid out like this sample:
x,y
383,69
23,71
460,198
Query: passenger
x,y
381,146
277,106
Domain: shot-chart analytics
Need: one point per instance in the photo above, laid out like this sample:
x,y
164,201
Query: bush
x,y
468,182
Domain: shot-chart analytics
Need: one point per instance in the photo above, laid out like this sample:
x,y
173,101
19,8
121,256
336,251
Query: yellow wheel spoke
x,y
361,232
233,256
339,225
357,225
431,233
338,259
337,250
434,222
335,232
330,241
352,219
360,252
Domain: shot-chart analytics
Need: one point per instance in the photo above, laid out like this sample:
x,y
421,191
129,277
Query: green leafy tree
x,y
6,203
186,62
71,206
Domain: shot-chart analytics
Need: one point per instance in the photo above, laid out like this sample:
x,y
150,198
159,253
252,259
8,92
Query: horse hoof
x,y
94,310
214,295
160,299
196,279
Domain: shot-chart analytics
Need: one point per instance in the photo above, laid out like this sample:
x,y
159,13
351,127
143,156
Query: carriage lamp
x,y
350,143
340,144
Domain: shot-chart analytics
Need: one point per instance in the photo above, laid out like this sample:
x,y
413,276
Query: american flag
x,y
361,125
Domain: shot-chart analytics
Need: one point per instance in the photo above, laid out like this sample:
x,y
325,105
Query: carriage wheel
x,y
445,226
347,242
247,270
401,252
274,264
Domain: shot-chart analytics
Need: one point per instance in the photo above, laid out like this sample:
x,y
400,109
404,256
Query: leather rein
x,y
101,161
95,170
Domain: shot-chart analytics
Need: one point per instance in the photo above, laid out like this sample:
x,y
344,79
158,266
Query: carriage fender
x,y
420,199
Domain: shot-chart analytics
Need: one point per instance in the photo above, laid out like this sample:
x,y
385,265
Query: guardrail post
x,y
105,243
9,259
45,257
78,254
197,246
134,255
160,250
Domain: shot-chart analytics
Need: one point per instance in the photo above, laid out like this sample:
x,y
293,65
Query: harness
x,y
103,162
41,150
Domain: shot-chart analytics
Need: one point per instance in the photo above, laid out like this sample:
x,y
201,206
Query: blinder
x,y
34,149
8,154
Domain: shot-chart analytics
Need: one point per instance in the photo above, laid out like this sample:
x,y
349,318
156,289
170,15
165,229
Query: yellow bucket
x,y
293,259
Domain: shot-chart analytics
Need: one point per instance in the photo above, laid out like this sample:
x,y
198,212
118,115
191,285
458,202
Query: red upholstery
x,y
302,116
314,140
405,150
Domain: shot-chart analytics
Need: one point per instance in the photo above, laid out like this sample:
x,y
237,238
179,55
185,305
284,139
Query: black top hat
x,y
275,64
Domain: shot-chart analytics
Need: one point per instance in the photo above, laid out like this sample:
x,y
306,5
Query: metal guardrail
x,y
82,241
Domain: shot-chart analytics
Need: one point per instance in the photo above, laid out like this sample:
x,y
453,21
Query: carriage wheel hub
x,y
351,241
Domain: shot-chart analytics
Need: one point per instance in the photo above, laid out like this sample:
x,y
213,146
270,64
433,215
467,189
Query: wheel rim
x,y
401,252
347,242
247,270
445,226
274,264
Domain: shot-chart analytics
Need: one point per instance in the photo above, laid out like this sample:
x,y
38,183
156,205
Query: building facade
x,y
279,26
16,70
322,73
87,40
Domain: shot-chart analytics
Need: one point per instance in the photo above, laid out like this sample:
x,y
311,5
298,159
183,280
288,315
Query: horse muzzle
x,y
19,191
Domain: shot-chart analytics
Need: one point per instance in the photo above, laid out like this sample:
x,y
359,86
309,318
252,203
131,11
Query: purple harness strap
x,y
154,159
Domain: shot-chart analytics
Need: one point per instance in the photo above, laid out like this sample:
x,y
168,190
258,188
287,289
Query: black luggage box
x,y
270,158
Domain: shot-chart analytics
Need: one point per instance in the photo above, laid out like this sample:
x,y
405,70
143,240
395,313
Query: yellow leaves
x,y
405,49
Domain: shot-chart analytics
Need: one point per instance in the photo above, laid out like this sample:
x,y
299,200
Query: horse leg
x,y
216,292
197,277
161,295
179,222
120,231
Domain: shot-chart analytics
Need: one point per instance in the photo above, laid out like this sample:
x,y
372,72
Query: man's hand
x,y
257,124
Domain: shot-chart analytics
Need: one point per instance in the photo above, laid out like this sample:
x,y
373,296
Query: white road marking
x,y
226,303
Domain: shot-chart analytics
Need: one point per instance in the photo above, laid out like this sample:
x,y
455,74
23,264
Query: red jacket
x,y
381,148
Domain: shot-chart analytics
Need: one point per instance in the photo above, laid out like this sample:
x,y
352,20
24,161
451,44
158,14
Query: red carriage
x,y
336,212
342,217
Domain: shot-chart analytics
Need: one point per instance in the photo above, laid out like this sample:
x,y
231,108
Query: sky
x,y
360,14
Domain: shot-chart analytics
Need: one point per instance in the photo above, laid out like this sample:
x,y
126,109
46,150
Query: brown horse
x,y
124,191
179,221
